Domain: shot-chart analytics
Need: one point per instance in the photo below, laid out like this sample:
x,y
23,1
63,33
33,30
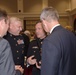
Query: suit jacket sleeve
x,y
18,72
51,57
6,61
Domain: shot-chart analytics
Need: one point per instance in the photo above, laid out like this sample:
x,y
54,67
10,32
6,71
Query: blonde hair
x,y
14,19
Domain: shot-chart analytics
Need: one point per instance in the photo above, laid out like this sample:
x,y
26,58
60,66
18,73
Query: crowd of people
x,y
50,50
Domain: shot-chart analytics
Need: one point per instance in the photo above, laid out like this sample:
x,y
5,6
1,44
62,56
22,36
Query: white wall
x,y
32,6
73,4
60,5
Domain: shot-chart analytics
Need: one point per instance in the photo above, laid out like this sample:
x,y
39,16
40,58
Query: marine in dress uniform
x,y
35,49
18,48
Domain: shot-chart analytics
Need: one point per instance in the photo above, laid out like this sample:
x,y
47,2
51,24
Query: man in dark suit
x,y
7,66
59,48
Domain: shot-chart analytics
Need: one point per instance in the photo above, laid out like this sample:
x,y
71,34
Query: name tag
x,y
35,47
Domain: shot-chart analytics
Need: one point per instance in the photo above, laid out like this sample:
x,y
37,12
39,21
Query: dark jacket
x,y
17,44
59,53
35,48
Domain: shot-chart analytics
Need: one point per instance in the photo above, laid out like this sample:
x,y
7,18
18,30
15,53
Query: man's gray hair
x,y
49,14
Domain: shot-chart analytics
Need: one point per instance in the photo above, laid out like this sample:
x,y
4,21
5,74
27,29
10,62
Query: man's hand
x,y
18,67
31,60
39,67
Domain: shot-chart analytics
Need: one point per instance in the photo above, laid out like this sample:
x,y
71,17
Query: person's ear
x,y
1,23
44,22
10,26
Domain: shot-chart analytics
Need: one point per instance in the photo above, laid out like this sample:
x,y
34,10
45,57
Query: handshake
x,y
18,67
32,61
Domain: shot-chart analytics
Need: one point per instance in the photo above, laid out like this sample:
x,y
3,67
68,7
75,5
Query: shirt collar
x,y
53,28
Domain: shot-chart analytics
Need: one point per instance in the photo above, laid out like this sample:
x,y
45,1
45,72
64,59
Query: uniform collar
x,y
14,35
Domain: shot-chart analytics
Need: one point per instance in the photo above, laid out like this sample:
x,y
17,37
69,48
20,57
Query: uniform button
x,y
41,42
34,51
10,35
17,51
40,51
22,46
14,38
17,57
22,51
16,44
